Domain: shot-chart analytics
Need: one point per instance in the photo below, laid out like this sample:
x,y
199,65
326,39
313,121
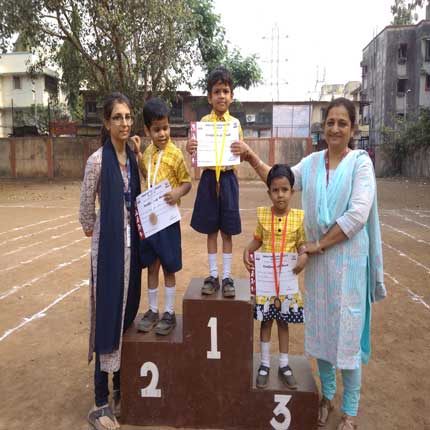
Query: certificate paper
x,y
204,134
152,200
265,278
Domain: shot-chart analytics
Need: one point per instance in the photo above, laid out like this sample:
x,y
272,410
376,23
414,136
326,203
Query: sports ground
x,y
44,264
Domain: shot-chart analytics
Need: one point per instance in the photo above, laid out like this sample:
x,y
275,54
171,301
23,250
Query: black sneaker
x,y
263,376
210,285
149,321
287,377
166,324
228,288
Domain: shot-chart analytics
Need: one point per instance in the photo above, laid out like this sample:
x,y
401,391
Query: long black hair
x,y
108,105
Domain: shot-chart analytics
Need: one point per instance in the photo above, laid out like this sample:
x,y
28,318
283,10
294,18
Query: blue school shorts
x,y
212,212
165,245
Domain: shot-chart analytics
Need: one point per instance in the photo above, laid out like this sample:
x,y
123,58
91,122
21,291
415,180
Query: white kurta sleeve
x,y
362,196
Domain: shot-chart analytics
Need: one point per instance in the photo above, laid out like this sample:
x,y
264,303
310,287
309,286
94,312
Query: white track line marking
x,y
37,223
402,254
405,233
25,236
42,313
34,207
415,297
406,218
21,248
58,248
419,213
16,288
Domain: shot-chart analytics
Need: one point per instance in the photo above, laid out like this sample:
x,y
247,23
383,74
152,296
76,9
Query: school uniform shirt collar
x,y
155,149
226,117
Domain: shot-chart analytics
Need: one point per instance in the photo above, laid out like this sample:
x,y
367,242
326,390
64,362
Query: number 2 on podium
x,y
151,390
213,354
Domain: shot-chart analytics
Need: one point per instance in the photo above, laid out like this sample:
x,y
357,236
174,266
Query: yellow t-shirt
x,y
172,165
295,237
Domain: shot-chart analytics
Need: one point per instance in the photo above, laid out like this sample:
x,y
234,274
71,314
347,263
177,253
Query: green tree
x,y
406,138
214,50
40,116
403,11
133,46
73,71
137,47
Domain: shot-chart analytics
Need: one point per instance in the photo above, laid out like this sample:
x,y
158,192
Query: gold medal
x,y
153,218
277,303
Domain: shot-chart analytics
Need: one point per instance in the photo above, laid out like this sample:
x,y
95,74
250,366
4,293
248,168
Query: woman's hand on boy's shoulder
x,y
191,146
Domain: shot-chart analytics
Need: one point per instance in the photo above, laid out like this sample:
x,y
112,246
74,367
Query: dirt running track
x,y
45,382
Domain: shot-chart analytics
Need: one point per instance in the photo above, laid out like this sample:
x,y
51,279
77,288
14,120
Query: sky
x,y
317,38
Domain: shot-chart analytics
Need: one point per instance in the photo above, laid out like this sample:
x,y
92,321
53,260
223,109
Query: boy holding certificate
x,y
216,208
280,230
162,160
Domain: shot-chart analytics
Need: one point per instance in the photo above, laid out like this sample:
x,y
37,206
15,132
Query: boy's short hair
x,y
154,109
220,74
280,170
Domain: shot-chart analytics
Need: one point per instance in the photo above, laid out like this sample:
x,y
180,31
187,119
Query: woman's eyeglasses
x,y
119,119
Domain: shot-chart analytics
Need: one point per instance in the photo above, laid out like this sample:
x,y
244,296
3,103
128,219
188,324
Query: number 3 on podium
x,y
281,409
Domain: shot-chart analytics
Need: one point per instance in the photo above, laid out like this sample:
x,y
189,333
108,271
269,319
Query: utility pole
x,y
274,59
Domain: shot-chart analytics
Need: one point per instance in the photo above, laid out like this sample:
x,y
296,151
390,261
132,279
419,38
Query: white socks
x,y
283,359
170,299
226,265
265,353
213,265
153,299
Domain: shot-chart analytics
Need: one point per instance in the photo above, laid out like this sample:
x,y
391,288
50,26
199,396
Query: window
x,y
264,118
16,82
364,70
427,87
322,113
427,49
177,109
401,87
91,107
51,84
402,53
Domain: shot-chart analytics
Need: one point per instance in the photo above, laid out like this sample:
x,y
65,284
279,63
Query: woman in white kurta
x,y
344,274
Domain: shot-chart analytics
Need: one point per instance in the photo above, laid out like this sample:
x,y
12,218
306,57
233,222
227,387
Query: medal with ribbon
x,y
153,216
219,155
277,301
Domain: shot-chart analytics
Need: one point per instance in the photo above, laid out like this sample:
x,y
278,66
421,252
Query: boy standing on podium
x,y
162,160
216,208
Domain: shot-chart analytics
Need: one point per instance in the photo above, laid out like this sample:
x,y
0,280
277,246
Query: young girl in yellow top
x,y
285,226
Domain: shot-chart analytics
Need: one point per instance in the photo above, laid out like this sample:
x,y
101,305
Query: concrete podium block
x,y
203,374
